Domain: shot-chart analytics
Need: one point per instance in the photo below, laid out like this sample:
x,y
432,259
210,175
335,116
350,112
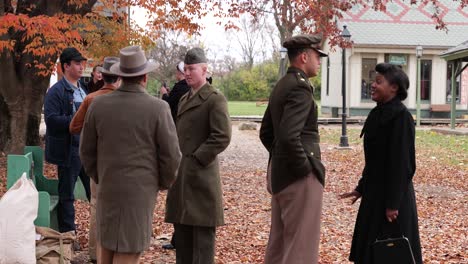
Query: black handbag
x,y
395,249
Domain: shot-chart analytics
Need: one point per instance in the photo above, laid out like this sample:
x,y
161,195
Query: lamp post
x,y
282,71
346,35
453,102
419,53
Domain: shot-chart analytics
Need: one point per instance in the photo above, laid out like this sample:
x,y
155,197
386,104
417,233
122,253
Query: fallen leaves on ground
x,y
441,193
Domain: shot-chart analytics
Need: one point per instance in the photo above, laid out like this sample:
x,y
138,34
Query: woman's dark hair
x,y
395,76
94,69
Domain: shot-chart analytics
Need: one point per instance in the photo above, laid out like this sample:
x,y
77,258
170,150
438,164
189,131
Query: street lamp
x,y
346,35
419,53
283,52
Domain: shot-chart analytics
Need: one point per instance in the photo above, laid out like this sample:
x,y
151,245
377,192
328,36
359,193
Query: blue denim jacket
x,y
58,113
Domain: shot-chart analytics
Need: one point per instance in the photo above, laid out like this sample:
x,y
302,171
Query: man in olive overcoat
x,y
296,175
129,148
194,203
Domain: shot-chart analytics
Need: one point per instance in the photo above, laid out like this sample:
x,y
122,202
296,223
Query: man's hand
x,y
354,195
391,214
163,90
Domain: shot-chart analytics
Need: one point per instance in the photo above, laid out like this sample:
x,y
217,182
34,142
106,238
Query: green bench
x,y
32,162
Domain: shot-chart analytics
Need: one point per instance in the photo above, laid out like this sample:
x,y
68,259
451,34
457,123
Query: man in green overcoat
x,y
194,203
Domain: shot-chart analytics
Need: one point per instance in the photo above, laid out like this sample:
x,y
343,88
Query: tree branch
x,y
51,8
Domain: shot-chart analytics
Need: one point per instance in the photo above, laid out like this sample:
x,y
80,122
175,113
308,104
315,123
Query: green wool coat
x,y
290,133
204,130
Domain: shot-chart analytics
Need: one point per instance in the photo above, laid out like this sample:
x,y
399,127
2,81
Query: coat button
x,y
311,153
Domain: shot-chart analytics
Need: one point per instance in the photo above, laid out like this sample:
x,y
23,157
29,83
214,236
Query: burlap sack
x,y
53,247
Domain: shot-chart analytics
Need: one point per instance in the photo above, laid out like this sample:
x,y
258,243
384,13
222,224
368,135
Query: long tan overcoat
x,y
204,130
129,147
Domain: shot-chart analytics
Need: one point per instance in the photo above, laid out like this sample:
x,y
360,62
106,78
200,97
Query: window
x,y
367,77
449,85
426,77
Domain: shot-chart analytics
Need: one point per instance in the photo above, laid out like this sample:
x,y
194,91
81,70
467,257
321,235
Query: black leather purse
x,y
394,249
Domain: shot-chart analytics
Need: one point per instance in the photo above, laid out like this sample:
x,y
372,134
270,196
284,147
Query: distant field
x,y
237,108
243,108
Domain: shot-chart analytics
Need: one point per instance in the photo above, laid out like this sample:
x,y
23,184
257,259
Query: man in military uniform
x,y
194,203
295,175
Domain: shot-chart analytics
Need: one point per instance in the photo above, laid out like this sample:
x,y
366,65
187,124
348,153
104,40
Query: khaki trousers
x,y
106,256
92,222
295,223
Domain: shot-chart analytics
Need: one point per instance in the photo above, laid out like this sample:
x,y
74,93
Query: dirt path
x,y
440,189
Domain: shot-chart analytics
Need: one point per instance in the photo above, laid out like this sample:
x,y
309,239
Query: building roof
x,y
403,24
458,52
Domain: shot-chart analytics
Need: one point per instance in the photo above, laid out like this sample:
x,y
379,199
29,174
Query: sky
x,y
213,36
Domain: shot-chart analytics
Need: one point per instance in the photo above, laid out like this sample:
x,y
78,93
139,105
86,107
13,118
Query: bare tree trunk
x,y
13,98
35,111
21,117
22,95
4,123
22,90
18,123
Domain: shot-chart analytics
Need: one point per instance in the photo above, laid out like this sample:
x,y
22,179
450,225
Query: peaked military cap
x,y
194,56
305,41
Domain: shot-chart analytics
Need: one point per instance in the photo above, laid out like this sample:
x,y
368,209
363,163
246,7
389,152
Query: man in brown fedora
x,y
289,132
194,203
129,148
111,82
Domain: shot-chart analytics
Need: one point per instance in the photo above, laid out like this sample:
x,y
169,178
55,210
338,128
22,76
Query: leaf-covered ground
x,y
440,182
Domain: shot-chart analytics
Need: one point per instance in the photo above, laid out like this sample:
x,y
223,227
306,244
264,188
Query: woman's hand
x,y
354,195
163,90
391,214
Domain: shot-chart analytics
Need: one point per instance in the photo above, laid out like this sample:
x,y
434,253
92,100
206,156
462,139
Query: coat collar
x,y
196,99
382,114
109,87
132,88
183,82
300,72
67,84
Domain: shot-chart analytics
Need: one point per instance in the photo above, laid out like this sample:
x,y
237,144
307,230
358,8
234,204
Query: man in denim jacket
x,y
61,102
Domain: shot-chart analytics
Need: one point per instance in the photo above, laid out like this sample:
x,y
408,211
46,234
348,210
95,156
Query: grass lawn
x,y
239,108
331,135
244,108
449,149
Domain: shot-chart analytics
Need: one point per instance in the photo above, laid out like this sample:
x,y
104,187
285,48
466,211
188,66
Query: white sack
x,y
18,210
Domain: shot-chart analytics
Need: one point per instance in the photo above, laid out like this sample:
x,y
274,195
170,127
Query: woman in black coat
x,y
180,88
386,186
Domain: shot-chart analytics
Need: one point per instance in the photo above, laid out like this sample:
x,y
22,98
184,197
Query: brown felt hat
x,y
132,63
305,41
108,62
